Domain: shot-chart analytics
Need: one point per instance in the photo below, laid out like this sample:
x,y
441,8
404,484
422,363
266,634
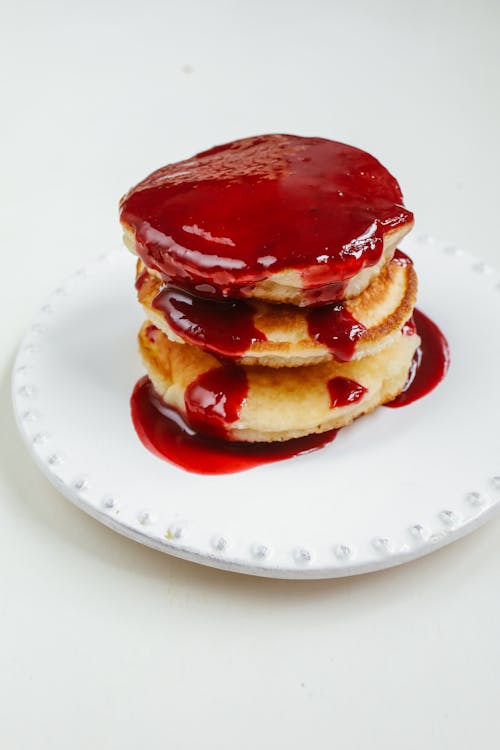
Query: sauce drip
x,y
402,258
215,398
323,295
430,362
221,326
140,280
344,391
409,328
335,327
234,215
213,401
164,432
226,327
151,333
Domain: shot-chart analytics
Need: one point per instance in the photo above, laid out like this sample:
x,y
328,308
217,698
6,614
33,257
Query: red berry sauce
x,y
232,216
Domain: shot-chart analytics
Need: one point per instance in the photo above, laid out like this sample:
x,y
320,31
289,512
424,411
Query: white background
x,y
104,643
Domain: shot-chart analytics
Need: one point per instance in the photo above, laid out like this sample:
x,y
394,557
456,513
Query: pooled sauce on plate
x,y
165,433
430,362
214,399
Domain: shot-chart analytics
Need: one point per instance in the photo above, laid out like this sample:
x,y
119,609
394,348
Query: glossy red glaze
x,y
221,326
164,432
226,327
324,295
152,333
236,214
409,328
402,258
214,400
344,391
140,279
335,327
430,363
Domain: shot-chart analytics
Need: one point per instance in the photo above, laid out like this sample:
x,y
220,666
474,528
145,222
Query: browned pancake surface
x,y
384,306
281,403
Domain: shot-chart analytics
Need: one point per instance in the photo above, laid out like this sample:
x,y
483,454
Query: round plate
x,y
395,485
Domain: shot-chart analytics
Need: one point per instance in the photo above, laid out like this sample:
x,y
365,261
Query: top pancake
x,y
258,333
276,217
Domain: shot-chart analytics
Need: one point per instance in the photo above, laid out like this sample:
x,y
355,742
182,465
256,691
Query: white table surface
x,y
107,644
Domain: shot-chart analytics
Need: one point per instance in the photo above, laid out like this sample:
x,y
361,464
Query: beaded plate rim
x,y
477,506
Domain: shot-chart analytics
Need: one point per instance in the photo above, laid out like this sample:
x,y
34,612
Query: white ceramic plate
x,y
394,486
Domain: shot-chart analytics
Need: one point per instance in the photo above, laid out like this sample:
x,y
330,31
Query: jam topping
x,y
164,432
430,362
226,327
220,326
141,279
402,258
335,327
236,214
151,332
344,391
323,295
410,327
214,400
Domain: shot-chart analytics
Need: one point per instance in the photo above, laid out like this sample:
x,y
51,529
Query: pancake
x,y
263,404
286,287
259,333
275,217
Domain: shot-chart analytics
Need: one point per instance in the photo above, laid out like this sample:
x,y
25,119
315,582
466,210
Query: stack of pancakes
x,y
277,302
